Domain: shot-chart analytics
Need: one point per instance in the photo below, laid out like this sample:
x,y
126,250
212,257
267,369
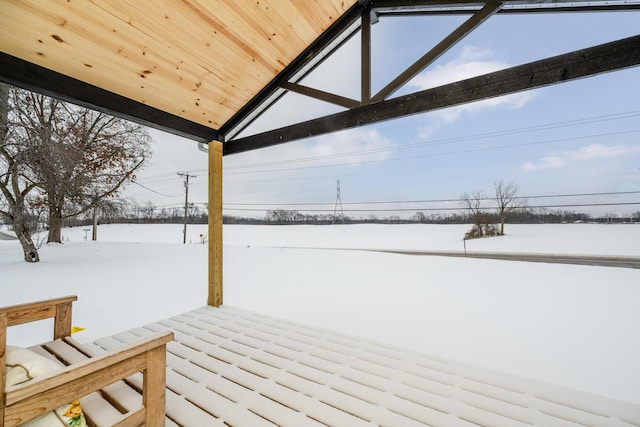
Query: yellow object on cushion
x,y
24,365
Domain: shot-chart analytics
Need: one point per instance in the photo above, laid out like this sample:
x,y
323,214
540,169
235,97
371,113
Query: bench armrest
x,y
58,308
41,395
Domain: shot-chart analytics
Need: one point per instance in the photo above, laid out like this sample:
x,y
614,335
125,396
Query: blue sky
x,y
577,137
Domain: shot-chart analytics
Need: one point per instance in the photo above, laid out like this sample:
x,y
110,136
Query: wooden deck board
x,y
228,366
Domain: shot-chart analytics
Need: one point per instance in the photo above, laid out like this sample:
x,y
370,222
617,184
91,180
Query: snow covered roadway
x,y
595,260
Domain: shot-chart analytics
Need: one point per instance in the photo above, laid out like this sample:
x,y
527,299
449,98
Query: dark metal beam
x,y
308,55
572,9
616,55
365,57
447,43
321,95
276,95
431,7
26,75
518,10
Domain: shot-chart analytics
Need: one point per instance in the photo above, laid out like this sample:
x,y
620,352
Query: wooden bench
x,y
107,395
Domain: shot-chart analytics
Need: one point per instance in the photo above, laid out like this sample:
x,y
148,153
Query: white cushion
x,y
47,420
24,365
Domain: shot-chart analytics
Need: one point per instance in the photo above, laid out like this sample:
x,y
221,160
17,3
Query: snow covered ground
x,y
577,326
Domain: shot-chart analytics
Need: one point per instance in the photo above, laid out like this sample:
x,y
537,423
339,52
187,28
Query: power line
x,y
153,191
228,206
155,208
549,126
161,175
173,206
404,170
446,208
611,193
386,171
470,150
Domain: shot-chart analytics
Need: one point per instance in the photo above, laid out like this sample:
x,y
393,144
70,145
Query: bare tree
x,y
79,157
147,211
508,201
482,221
611,217
16,182
419,216
473,202
62,158
107,208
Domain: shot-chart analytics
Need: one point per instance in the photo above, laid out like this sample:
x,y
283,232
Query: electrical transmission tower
x,y
338,203
186,177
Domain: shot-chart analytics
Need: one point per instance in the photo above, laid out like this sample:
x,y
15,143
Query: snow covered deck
x,y
229,366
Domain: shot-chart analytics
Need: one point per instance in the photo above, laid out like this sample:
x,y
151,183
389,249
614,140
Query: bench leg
x,y
3,371
154,387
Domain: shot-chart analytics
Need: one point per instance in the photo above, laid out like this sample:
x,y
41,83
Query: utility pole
x,y
186,177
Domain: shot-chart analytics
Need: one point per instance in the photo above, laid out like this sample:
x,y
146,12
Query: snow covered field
x,y
577,326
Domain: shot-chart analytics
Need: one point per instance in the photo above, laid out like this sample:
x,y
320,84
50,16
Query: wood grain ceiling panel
x,y
201,60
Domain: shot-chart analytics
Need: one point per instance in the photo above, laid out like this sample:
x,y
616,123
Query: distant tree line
x,y
292,217
130,212
525,216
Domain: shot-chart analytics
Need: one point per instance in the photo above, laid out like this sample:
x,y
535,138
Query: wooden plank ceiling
x,y
201,60
204,69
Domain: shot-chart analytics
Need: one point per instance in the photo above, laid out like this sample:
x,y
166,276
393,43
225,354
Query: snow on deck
x,y
229,366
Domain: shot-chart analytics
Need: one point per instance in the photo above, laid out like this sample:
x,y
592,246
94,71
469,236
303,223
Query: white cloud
x,y
599,150
633,177
332,148
551,162
472,61
294,180
378,146
588,152
513,101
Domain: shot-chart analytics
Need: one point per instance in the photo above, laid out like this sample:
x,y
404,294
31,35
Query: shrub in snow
x,y
485,230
